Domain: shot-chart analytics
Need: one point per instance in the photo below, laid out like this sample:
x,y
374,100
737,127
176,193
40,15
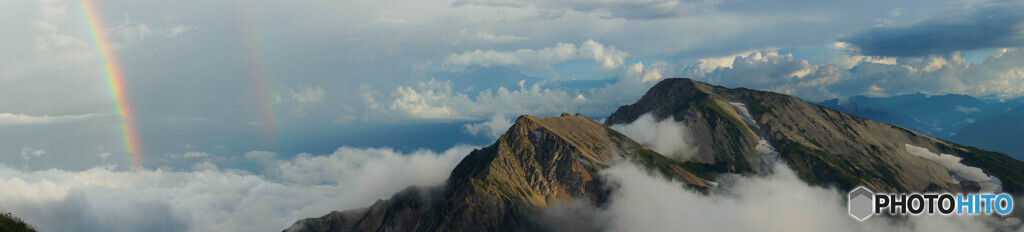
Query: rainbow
x,y
260,76
115,78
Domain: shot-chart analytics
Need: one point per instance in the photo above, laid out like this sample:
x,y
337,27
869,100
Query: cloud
x,y
769,70
305,97
488,37
175,30
29,153
979,26
967,110
21,119
607,58
999,75
260,155
186,155
131,33
668,137
195,154
641,9
436,100
777,202
375,46
493,128
210,198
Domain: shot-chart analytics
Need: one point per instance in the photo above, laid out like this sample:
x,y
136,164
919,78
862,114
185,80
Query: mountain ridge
x,y
824,146
537,162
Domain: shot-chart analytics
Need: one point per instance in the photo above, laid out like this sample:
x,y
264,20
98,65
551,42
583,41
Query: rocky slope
x,y
536,163
824,146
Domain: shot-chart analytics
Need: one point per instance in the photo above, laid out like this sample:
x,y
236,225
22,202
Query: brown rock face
x,y
537,162
825,147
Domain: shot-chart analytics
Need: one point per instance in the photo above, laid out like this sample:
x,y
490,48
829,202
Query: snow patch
x,y
958,171
765,149
741,109
536,136
768,155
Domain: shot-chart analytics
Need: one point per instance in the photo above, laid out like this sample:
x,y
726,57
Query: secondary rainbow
x,y
112,70
261,78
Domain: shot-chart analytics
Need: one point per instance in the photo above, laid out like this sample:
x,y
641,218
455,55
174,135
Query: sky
x,y
147,96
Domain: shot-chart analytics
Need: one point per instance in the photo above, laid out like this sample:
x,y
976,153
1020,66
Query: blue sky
x,y
347,77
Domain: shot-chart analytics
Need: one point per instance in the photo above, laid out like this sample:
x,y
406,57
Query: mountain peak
x,y
536,163
739,130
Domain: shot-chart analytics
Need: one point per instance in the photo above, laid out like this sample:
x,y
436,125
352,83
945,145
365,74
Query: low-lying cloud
x,y
22,119
491,128
666,136
776,202
213,199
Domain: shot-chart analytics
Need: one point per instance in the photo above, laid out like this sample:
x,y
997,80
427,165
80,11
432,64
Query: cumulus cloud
x,y
304,97
666,136
769,70
21,119
979,26
493,128
999,75
606,57
488,37
29,153
175,30
130,33
641,9
209,198
436,100
186,155
777,202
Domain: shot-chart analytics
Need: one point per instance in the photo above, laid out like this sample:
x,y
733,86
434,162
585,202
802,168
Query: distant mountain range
x,y
1001,132
985,123
539,162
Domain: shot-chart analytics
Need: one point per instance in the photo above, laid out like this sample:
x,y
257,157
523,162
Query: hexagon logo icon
x,y
860,202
